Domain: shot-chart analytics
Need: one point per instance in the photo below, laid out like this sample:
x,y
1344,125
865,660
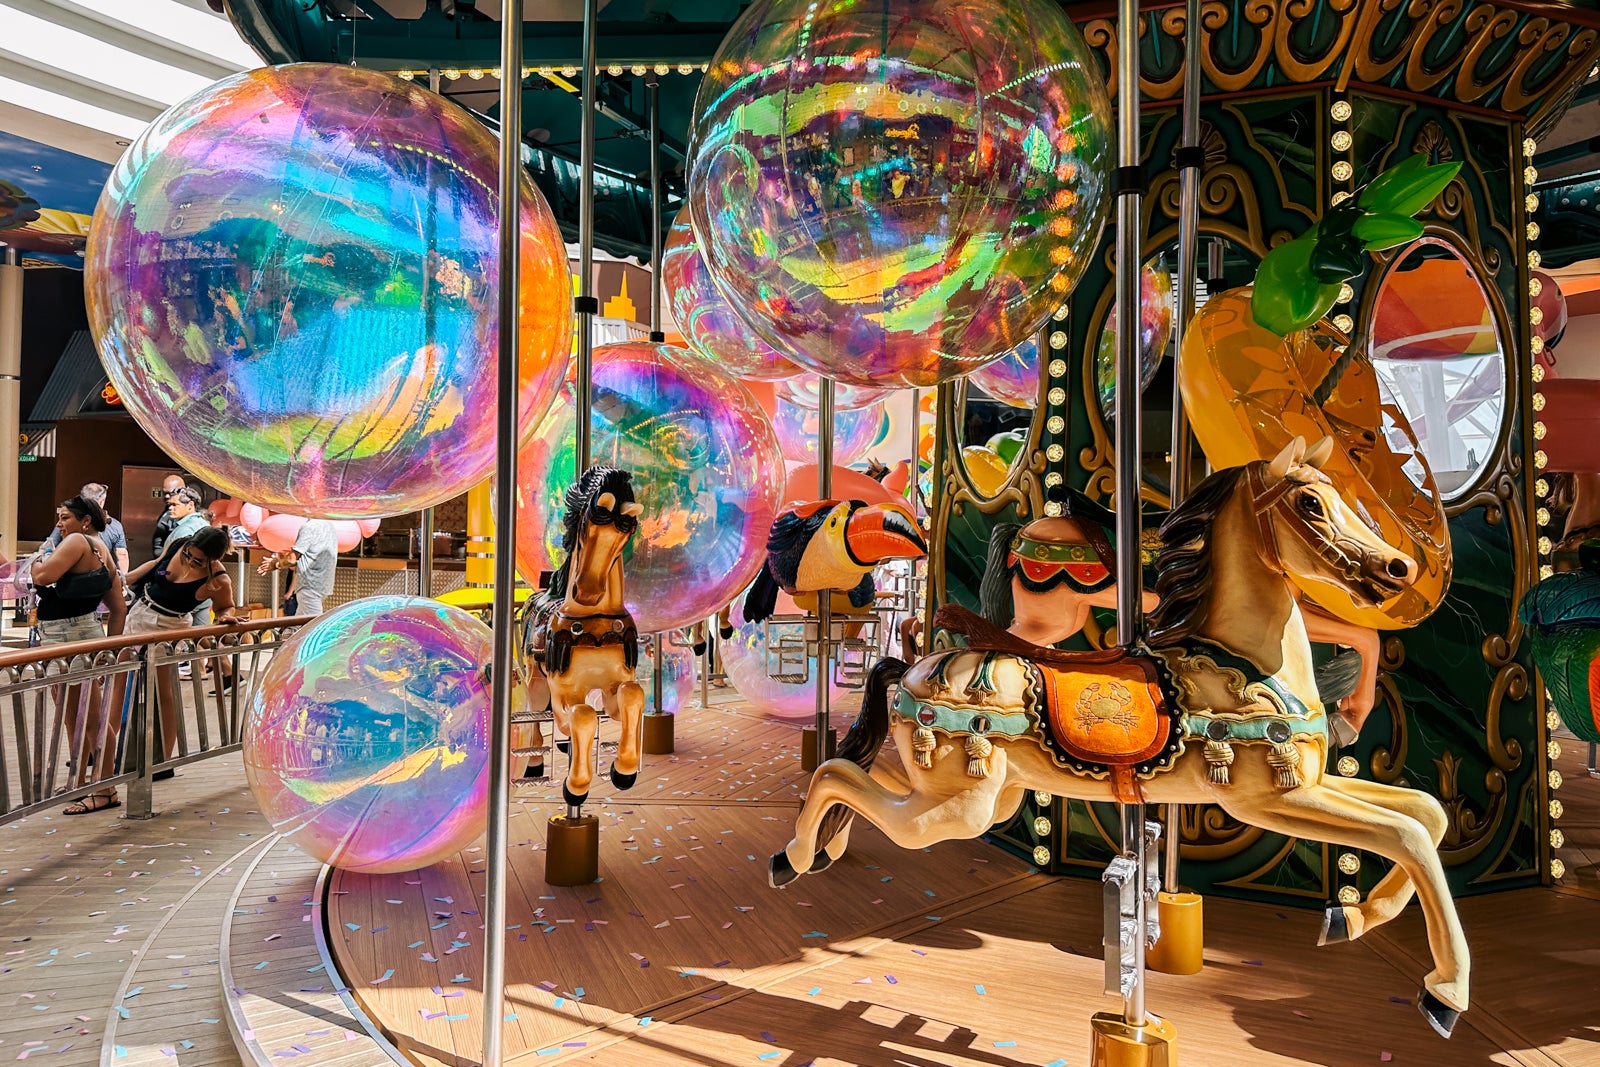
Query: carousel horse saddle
x,y
552,643
1112,713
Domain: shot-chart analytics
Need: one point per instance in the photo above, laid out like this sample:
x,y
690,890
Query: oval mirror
x,y
1435,345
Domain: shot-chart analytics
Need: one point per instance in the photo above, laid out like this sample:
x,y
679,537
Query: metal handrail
x,y
91,701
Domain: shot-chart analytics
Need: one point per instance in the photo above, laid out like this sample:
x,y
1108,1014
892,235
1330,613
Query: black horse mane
x,y
1183,571
594,482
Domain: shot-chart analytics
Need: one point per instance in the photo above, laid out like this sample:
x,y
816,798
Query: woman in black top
x,y
73,580
168,590
71,583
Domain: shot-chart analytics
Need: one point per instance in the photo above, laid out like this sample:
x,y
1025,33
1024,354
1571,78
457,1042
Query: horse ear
x,y
1318,453
1291,456
606,501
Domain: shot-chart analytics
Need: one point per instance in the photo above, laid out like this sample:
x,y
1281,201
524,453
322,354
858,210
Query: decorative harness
x,y
1041,566
1264,498
556,633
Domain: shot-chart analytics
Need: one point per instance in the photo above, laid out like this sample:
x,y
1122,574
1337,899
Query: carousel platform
x,y
235,947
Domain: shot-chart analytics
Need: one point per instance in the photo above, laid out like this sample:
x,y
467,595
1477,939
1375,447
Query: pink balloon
x,y
251,516
368,527
347,534
277,532
847,485
225,508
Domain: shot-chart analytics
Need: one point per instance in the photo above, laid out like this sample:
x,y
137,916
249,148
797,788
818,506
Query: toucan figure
x,y
831,544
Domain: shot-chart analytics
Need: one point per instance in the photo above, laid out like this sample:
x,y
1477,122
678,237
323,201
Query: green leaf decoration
x,y
1378,232
1407,187
1286,292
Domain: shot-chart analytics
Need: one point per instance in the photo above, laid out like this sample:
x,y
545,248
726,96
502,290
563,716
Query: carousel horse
x,y
578,635
1220,707
1040,580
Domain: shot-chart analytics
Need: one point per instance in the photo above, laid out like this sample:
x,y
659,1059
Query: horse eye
x,y
1311,505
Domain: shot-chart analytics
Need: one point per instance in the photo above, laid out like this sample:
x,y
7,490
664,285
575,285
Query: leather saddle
x,y
1110,713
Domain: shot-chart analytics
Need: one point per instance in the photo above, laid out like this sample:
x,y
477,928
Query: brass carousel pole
x,y
505,578
1179,950
572,849
822,729
1134,1037
658,727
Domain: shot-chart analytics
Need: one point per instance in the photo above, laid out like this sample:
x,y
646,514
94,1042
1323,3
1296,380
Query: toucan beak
x,y
883,531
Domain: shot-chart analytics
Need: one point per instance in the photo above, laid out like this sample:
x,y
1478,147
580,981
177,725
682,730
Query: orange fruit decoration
x,y
1249,392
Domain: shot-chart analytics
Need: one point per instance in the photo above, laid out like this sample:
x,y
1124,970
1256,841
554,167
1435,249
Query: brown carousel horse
x,y
1220,708
579,636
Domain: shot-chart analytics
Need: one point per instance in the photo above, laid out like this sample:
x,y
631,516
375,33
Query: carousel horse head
x,y
601,516
1300,524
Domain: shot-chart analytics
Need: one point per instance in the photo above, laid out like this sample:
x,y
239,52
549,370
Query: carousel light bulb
x,y
1557,839
1346,293
1058,339
1340,197
1542,516
1552,718
1058,367
1555,780
1538,401
1349,894
1349,862
1342,171
1539,431
1538,372
1541,487
1533,231
1041,798
1558,870
1529,146
1531,202
1041,856
1557,809
1535,260
1343,323
1060,313
1530,175
1349,766
1545,546
1055,424
1546,571
1041,826
1341,141
1341,110
1553,749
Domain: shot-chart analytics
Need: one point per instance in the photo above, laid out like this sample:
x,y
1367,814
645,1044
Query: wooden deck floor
x,y
954,956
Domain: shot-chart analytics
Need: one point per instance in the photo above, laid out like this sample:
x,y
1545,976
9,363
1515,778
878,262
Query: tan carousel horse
x,y
579,636
1221,708
1040,580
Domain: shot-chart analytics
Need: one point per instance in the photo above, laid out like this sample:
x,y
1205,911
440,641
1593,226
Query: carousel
x,y
1223,581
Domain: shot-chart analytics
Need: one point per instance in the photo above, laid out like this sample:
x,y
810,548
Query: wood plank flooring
x,y
954,956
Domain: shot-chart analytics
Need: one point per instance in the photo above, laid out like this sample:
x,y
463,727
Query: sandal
x,y
92,803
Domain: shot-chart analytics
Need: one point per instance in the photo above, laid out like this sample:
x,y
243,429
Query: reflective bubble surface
x,y
1014,377
895,192
855,432
1155,334
706,468
677,677
805,390
744,657
366,739
708,322
291,277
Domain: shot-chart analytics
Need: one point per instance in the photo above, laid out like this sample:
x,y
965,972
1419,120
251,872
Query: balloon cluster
x,y
276,531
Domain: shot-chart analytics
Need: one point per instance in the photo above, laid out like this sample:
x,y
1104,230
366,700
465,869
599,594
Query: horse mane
x,y
1183,570
595,481
994,590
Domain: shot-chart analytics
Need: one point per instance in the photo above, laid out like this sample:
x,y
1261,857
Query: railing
x,y
81,715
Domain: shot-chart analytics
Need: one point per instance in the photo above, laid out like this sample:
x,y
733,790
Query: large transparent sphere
x,y
367,738
292,280
895,192
706,468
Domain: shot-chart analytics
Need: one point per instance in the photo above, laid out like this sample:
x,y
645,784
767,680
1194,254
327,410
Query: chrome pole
x,y
825,597
425,553
1190,159
502,677
1129,187
585,303
652,86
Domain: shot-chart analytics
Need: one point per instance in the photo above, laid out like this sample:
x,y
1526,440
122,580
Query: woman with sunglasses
x,y
168,591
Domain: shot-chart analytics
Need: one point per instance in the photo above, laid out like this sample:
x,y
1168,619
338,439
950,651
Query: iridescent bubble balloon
x,y
705,464
708,321
854,432
805,390
1155,333
366,739
895,192
1014,377
677,677
744,658
291,277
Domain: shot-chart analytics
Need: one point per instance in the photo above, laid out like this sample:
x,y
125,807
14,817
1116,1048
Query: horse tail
x,y
865,737
994,591
762,600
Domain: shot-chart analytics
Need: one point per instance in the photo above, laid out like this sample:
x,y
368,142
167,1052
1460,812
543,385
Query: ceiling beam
x,y
125,36
77,87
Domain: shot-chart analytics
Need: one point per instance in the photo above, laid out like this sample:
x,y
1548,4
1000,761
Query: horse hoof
x,y
1335,928
699,648
1441,1016
623,781
564,746
780,872
725,631
574,800
822,862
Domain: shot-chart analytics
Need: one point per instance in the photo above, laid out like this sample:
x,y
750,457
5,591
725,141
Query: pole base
x,y
1116,1044
572,850
1181,949
808,747
658,735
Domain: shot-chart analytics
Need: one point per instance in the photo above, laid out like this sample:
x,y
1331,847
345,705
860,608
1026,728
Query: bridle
x,y
1264,499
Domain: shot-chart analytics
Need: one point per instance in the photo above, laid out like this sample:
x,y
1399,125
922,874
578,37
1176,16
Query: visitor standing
x,y
170,488
113,537
314,557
